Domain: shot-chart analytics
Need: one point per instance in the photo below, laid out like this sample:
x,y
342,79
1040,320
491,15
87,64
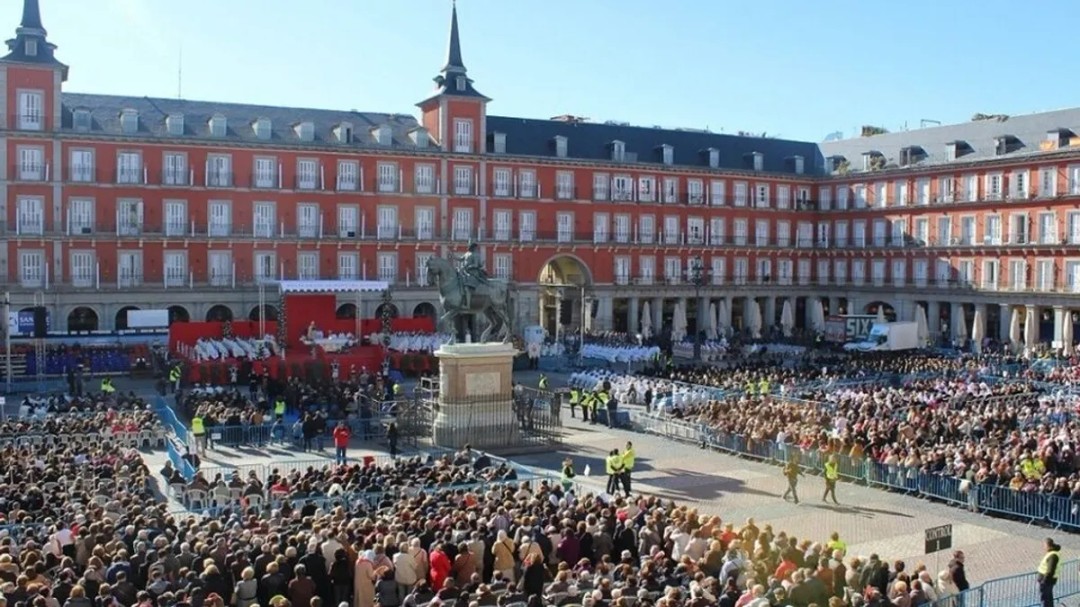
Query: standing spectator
x,y
341,442
957,572
392,438
301,588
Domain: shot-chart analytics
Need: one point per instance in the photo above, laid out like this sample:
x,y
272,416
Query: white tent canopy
x,y
331,286
922,329
787,318
646,321
710,322
977,329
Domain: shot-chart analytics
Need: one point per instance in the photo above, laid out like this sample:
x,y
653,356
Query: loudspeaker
x,y
41,322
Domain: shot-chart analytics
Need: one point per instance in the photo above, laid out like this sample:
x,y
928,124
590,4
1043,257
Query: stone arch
x,y
179,314
393,310
83,318
424,310
219,313
266,311
872,308
346,311
565,268
120,321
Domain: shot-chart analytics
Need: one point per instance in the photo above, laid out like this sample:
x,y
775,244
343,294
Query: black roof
x,y
446,83
592,141
31,33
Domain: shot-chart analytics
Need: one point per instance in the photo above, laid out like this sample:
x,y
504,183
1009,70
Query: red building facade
x,y
113,202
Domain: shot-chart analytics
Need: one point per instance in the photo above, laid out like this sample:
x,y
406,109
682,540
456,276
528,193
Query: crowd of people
x,y
414,341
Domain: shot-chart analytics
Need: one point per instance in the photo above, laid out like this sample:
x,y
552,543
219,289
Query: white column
x,y
1004,321
1059,327
633,324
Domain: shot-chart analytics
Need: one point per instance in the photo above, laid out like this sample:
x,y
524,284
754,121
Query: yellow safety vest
x,y
628,459
611,462
1044,566
543,382
763,387
832,471
279,407
574,396
604,398
836,545
197,427
174,374
397,389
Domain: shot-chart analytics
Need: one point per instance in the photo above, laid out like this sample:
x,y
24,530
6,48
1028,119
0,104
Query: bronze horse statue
x,y
490,300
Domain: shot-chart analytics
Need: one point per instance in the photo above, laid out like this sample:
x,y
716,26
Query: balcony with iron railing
x,y
30,172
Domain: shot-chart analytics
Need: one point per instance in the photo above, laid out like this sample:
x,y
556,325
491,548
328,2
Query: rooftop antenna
x,y
180,73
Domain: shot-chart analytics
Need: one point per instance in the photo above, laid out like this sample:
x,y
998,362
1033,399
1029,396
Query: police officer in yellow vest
x,y
763,387
832,474
602,400
628,457
543,383
588,401
106,386
1048,572
613,465
198,430
575,399
279,408
174,378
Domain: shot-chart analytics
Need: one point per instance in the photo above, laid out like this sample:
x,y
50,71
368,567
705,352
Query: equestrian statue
x,y
466,292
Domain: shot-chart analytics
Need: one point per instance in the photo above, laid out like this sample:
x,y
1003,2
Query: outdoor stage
x,y
302,303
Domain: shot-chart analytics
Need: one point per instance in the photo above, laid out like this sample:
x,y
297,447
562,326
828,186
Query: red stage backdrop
x,y
302,310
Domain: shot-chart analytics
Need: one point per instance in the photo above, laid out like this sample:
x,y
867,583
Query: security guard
x,y
587,404
198,430
613,466
1048,572
567,474
575,398
174,378
543,383
628,457
279,408
106,386
832,474
835,543
602,399
763,387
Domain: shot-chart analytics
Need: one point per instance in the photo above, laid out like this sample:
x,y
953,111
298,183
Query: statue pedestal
x,y
475,397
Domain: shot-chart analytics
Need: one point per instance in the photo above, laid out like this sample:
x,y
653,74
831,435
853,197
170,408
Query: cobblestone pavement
x,y
869,520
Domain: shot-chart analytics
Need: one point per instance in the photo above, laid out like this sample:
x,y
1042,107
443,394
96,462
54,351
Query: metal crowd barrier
x,y
270,433
1016,591
1060,512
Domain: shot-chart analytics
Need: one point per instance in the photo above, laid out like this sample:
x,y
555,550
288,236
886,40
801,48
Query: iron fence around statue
x,y
505,423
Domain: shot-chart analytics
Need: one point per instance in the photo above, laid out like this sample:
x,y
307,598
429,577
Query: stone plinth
x,y
475,397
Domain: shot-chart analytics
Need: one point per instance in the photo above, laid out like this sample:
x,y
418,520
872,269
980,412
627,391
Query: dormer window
x,y
498,143
383,134
80,119
419,137
217,125
618,151
174,124
305,131
837,164
800,165
343,132
756,160
956,149
31,47
714,158
263,128
560,146
461,82
129,121
911,155
1006,144
667,154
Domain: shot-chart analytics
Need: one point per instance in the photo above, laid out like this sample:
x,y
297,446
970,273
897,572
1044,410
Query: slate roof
x,y
979,139
31,29
592,141
105,119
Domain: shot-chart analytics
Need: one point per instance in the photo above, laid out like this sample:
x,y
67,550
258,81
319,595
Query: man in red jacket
x,y
341,442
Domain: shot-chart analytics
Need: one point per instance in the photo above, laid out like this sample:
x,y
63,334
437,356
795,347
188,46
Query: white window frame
x,y
31,110
174,214
388,176
424,181
348,176
463,180
82,272
463,135
264,219
175,169
307,265
387,266
30,219
219,171
80,216
462,224
32,268
308,220
527,226
502,182
174,271
717,192
1048,182
218,209
601,186
601,228
348,266
31,163
129,167
220,269
386,222
695,191
307,174
424,220
527,185
564,185
502,266
502,224
82,165
266,172
564,226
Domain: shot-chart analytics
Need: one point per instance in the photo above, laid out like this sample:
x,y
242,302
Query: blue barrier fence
x,y
1016,591
168,418
1060,512
179,463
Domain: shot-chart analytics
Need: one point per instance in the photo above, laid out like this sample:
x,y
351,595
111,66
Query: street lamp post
x,y
697,278
387,325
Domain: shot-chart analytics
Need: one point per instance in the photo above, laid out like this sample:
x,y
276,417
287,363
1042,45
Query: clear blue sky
x,y
795,69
